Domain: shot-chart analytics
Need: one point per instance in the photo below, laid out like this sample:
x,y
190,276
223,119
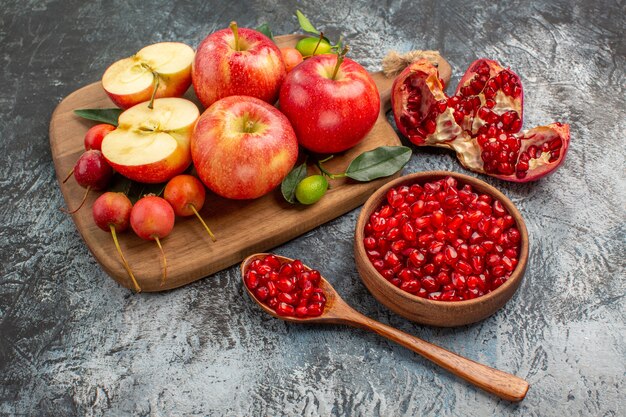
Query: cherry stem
x,y
126,266
318,43
64,210
68,175
340,58
328,173
233,27
158,242
213,238
154,90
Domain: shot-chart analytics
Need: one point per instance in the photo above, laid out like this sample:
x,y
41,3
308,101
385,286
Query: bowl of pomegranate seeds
x,y
441,248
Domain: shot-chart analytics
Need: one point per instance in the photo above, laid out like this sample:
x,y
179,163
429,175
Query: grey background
x,y
73,342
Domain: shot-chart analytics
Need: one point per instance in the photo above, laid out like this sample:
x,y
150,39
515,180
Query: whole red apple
x,y
331,104
242,147
237,61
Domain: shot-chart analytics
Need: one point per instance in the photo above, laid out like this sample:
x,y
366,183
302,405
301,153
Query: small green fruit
x,y
311,189
306,46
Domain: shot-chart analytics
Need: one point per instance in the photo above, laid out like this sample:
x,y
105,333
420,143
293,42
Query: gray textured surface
x,y
72,342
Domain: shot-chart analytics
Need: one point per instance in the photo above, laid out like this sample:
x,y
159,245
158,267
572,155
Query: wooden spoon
x,y
336,311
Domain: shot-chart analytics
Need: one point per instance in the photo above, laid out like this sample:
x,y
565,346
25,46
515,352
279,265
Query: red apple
x,y
242,147
331,106
152,145
237,62
132,80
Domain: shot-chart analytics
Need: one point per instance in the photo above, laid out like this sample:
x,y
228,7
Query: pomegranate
x,y
290,289
481,121
441,241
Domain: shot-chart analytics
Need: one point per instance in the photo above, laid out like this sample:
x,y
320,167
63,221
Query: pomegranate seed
x,y
430,284
429,269
387,274
285,285
252,279
417,258
458,281
315,309
478,264
493,260
405,274
443,278
438,219
430,126
284,297
369,243
284,309
272,303
301,311
297,266
439,259
411,286
262,293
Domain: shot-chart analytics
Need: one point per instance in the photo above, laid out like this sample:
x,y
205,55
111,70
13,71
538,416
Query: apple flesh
x,y
330,114
152,145
237,62
132,80
242,147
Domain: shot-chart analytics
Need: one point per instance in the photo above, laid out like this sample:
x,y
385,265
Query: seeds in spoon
x,y
288,288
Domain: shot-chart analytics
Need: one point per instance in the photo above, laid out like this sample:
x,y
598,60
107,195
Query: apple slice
x,y
164,67
152,145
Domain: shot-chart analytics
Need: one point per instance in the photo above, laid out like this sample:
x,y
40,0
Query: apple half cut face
x,y
152,145
130,81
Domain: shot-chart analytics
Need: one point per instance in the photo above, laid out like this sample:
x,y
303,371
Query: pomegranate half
x,y
481,122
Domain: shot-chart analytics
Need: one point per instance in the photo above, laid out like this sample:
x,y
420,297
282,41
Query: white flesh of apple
x,y
135,73
145,135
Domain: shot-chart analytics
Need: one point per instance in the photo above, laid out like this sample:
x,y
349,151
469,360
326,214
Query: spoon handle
x,y
506,386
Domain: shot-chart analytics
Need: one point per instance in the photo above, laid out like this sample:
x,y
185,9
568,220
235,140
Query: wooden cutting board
x,y
241,227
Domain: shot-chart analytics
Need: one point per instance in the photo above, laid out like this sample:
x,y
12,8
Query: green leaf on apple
x,y
265,29
377,163
109,116
305,24
291,181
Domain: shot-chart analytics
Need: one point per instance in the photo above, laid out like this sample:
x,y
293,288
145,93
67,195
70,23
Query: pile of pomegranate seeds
x,y
288,288
442,242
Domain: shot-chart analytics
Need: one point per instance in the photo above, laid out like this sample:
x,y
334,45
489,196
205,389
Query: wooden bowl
x,y
430,312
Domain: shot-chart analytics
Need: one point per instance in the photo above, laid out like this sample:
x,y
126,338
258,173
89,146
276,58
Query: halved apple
x,y
152,145
165,66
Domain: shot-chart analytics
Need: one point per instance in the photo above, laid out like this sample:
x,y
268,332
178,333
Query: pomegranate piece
x,y
481,122
462,251
287,288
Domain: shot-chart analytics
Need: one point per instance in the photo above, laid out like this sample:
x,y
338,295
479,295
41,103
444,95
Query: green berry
x,y
306,46
311,189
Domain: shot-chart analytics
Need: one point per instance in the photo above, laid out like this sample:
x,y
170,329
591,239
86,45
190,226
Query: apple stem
x,y
233,27
340,58
126,266
213,238
158,242
154,90
318,43
68,175
64,210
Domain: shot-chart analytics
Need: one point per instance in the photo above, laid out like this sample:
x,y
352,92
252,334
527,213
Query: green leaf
x,y
378,163
305,24
265,29
134,190
109,116
291,181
